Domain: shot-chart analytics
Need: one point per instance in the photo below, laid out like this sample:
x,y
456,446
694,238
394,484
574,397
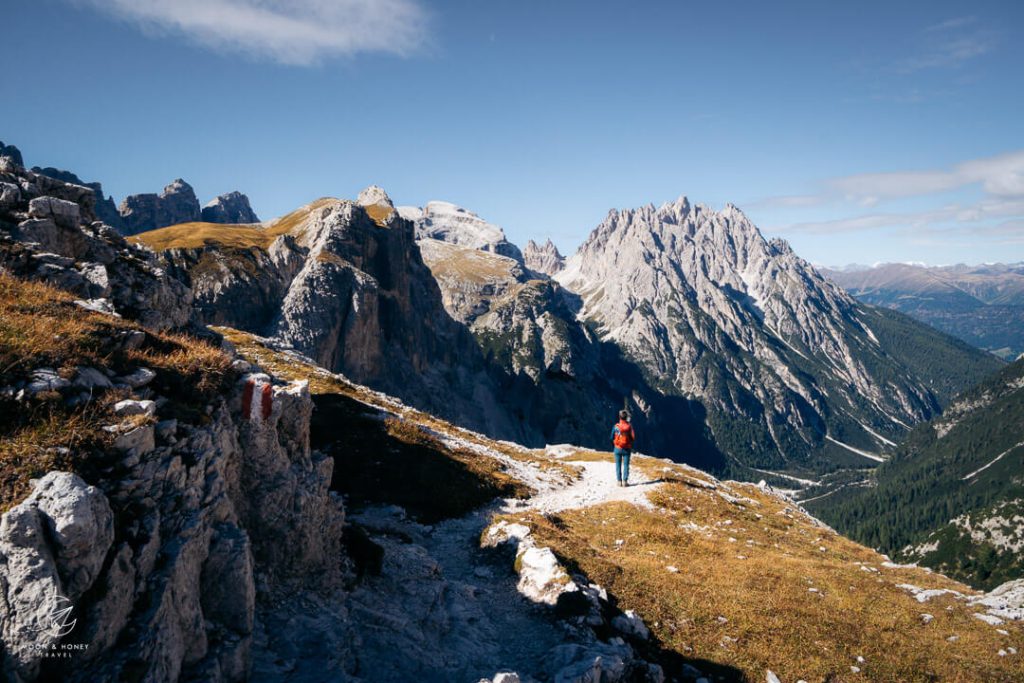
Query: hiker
x,y
622,438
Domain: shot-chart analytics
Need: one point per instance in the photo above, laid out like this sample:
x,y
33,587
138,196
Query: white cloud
x,y
975,221
1001,175
874,221
948,24
949,53
295,32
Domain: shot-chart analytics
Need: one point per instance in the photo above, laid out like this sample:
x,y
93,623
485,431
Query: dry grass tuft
x,y
41,326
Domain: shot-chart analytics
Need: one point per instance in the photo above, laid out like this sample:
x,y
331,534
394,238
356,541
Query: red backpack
x,y
624,439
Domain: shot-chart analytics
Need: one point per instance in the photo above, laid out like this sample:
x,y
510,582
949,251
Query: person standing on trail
x,y
622,438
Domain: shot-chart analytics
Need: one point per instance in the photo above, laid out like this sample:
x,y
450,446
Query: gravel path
x,y
596,485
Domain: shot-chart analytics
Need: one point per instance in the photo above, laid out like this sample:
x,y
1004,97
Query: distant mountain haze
x,y
983,304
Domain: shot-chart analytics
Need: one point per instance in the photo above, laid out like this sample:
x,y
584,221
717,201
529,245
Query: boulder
x,y
60,211
52,548
129,407
45,379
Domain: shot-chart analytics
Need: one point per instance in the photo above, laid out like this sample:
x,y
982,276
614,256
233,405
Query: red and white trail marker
x,y
257,400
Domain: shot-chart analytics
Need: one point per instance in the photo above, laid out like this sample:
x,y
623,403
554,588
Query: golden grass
x,y
465,264
40,326
748,603
380,213
196,235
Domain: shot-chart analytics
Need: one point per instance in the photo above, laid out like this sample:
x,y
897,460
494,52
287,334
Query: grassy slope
x,y
197,235
42,327
742,593
776,622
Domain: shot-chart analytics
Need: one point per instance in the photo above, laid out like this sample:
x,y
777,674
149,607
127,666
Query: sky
x,y
861,132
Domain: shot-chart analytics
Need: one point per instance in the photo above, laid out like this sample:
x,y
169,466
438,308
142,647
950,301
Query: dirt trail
x,y
595,486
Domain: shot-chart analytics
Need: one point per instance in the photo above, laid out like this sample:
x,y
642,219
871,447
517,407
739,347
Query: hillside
x,y
983,305
343,282
951,497
689,555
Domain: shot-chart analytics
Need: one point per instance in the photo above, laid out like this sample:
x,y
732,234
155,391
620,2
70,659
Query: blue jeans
x,y
621,464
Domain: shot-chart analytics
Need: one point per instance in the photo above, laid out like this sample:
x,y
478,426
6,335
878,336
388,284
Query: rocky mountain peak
x,y
176,204
377,204
374,195
12,153
669,284
230,208
544,259
452,223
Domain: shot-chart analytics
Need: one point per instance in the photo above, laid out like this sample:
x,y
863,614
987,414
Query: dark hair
x,y
623,415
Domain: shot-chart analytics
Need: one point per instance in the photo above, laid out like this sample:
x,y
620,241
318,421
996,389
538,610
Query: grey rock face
x,y
61,212
106,209
52,548
12,153
544,259
364,304
201,521
447,222
176,204
229,208
470,279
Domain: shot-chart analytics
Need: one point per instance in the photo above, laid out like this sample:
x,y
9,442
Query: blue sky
x,y
860,131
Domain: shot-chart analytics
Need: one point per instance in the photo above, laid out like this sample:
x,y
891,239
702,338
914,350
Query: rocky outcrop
x,y
209,516
52,548
470,279
49,232
104,206
230,208
544,259
450,223
364,304
176,204
11,152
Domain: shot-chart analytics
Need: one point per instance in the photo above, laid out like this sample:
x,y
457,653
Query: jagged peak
x,y
177,185
374,195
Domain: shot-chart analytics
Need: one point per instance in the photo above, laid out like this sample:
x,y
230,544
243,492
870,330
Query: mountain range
x,y
368,443
983,305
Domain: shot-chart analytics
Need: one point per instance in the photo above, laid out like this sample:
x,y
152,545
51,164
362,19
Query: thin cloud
x,y
1000,175
975,220
293,32
948,24
870,222
789,201
949,44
